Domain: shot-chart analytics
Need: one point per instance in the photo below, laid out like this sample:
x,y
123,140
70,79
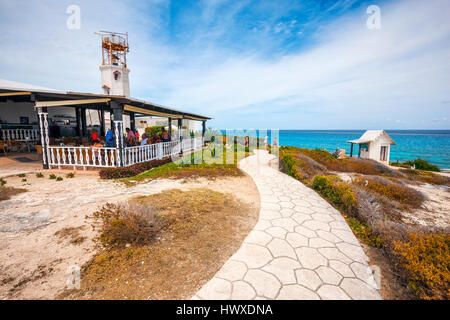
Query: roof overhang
x,y
53,98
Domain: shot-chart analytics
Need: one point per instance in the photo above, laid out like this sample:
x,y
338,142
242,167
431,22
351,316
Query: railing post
x,y
118,125
45,140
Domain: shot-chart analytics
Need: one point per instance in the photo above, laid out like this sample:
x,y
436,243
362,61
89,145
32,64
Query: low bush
x,y
363,232
338,192
131,222
125,172
52,176
427,260
425,177
2,182
39,175
59,179
70,175
391,189
421,164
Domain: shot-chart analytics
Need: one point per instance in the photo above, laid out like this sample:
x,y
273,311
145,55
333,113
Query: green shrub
x,y
421,164
339,193
2,182
363,232
24,179
70,175
151,131
39,175
22,175
125,172
52,176
59,179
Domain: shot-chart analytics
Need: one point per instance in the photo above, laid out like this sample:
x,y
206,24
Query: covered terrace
x,y
76,150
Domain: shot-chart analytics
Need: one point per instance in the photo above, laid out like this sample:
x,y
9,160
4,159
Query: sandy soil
x,y
44,231
435,210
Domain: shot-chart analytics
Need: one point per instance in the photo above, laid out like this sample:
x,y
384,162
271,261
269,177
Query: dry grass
x,y
425,177
72,234
7,192
201,229
393,190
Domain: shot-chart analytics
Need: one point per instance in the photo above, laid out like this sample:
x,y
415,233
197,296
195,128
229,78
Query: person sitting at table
x,y
110,138
97,144
94,136
144,139
131,138
164,135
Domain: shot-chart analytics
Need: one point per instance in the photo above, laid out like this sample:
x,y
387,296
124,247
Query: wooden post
x,y
83,122
78,117
180,135
102,123
118,125
359,151
132,122
170,129
351,150
203,132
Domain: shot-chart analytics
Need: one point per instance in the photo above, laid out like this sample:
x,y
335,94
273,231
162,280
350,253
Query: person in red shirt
x,y
94,136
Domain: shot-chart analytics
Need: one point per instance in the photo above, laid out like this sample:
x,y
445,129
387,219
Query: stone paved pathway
x,y
301,247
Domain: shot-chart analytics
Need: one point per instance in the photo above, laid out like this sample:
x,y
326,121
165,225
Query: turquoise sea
x,y
431,145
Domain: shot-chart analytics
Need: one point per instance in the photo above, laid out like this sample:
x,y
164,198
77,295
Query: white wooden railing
x,y
82,156
19,134
109,157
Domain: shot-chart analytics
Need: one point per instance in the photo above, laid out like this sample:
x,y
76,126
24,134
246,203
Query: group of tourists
x,y
132,138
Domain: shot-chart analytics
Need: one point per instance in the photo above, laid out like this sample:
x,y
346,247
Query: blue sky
x,y
249,64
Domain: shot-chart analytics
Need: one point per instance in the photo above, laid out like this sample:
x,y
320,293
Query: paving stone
x,y
232,270
258,237
328,275
296,292
330,292
286,212
322,217
308,279
283,268
242,291
266,284
316,225
305,232
286,223
354,252
342,268
269,214
310,258
277,232
334,253
281,248
320,243
359,290
254,256
296,240
216,289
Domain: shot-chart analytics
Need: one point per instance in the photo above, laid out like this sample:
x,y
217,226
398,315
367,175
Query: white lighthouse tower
x,y
114,69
